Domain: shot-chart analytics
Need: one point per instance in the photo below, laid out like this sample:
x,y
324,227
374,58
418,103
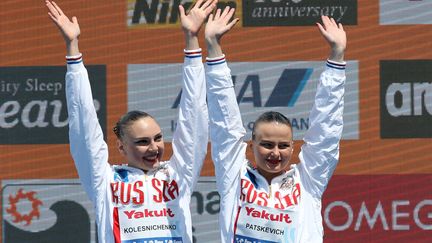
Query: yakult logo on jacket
x,y
147,213
263,214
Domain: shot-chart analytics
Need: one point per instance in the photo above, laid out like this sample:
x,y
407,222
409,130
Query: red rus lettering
x,y
125,192
156,184
244,184
114,192
296,194
251,195
289,199
165,191
173,190
278,204
139,198
262,199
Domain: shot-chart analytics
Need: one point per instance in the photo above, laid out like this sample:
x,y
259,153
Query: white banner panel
x,y
52,211
395,12
287,87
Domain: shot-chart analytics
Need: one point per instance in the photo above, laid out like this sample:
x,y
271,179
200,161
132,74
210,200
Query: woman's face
x,y
142,144
273,148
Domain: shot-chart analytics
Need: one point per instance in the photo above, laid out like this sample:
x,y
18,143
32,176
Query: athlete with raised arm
x,y
145,199
276,200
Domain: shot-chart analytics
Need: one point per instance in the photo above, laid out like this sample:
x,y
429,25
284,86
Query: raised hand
x,y
335,35
217,25
68,28
192,22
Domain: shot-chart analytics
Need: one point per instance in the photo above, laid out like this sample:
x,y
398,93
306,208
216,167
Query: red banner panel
x,y
378,208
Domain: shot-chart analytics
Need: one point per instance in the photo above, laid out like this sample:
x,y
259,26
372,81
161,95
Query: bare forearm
x,y
337,55
213,47
191,41
72,48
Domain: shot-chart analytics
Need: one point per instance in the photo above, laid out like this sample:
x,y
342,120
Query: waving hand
x,y
218,24
335,35
192,21
68,28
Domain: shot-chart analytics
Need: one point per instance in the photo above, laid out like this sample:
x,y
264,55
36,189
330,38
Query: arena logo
x,y
162,12
34,110
415,99
406,99
405,12
297,12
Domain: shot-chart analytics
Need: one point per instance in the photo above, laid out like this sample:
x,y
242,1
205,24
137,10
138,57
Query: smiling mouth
x,y
273,161
152,158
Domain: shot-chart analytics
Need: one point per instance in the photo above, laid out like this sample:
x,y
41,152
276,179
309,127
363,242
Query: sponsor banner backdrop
x,y
52,211
391,208
405,12
287,87
205,207
378,208
33,105
297,12
406,98
108,37
46,211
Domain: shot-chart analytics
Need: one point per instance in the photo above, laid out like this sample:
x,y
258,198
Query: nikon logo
x,y
406,99
162,12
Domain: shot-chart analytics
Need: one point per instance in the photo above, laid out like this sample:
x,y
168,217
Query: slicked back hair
x,y
126,120
268,117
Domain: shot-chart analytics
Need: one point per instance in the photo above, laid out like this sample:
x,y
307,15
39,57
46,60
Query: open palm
x,y
193,21
333,33
219,23
69,28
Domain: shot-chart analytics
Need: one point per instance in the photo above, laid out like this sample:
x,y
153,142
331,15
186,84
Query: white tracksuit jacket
x,y
133,206
288,210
